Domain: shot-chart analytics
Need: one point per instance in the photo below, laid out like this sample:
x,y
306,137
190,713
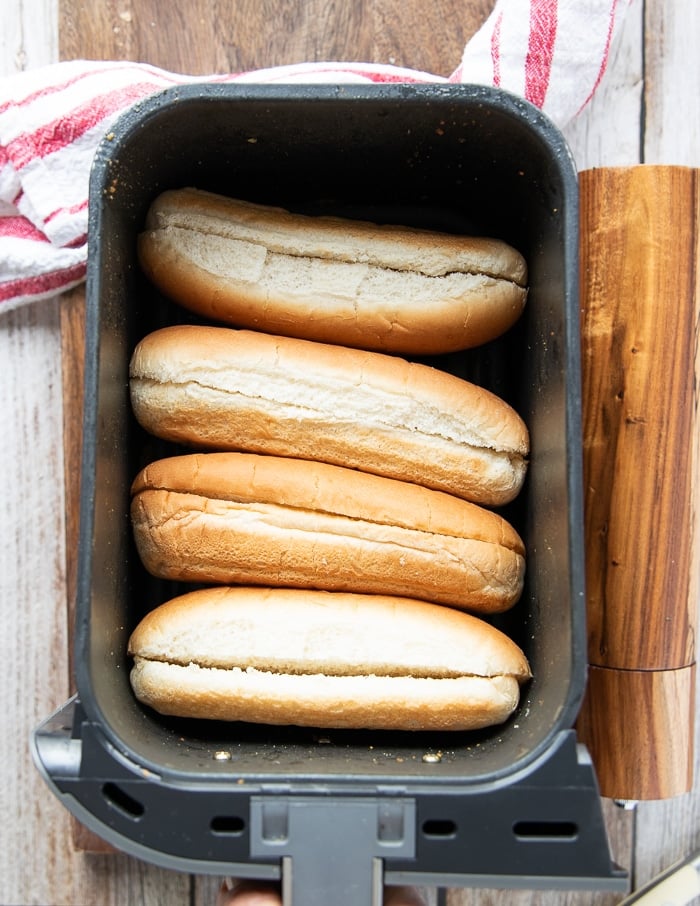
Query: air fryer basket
x,y
516,805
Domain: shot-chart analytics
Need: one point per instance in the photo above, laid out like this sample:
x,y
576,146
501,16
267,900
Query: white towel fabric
x,y
551,52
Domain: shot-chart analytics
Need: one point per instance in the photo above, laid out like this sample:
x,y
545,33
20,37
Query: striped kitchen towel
x,y
551,52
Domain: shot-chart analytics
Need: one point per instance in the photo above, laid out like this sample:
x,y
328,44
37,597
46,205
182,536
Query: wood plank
x,y
38,864
668,830
28,34
671,97
72,320
251,34
32,568
607,133
31,573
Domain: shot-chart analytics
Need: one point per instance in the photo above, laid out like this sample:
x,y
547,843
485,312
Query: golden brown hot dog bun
x,y
330,279
218,388
238,518
287,656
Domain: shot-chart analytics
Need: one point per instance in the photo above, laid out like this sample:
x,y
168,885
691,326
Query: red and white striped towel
x,y
552,52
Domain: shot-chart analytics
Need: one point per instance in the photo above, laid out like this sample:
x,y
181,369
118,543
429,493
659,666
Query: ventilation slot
x,y
545,830
439,827
122,801
230,825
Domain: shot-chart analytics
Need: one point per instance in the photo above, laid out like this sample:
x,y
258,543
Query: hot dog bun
x,y
330,279
238,518
219,388
287,656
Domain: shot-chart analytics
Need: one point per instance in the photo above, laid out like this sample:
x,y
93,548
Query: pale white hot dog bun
x,y
331,279
224,389
310,658
238,518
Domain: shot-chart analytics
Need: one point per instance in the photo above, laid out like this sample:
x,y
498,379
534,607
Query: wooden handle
x,y
639,250
640,246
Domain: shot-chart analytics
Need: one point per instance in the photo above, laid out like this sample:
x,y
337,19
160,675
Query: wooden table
x,y
647,109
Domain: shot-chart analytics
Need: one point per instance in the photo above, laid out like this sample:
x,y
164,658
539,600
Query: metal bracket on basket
x,y
544,830
304,832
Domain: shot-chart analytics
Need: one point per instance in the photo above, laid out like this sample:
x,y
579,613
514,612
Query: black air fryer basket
x,y
335,812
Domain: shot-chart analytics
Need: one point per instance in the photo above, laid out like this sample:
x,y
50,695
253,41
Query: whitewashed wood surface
x,y
647,109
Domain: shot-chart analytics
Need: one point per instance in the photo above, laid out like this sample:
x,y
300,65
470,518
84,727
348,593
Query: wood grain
x,y
643,750
31,568
72,321
37,862
608,132
200,37
28,34
640,310
670,32
667,830
640,241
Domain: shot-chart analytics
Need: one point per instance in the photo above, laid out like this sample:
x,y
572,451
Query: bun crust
x,y
241,518
330,279
219,388
312,658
